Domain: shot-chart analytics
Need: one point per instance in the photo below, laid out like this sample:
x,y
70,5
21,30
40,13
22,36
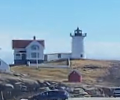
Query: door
x,y
24,58
45,57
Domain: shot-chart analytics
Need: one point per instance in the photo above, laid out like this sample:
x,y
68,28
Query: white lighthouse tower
x,y
78,44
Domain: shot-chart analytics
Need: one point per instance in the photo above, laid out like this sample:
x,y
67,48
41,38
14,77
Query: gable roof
x,y
76,71
24,43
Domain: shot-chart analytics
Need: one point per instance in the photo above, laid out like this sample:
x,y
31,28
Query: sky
x,y
54,20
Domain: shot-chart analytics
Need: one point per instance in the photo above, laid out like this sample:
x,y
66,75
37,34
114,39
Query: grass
x,y
90,76
43,73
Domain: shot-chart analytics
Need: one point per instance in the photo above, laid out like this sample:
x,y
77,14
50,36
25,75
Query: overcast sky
x,y
53,20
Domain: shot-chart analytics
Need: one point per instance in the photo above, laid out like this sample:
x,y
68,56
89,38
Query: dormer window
x,y
35,47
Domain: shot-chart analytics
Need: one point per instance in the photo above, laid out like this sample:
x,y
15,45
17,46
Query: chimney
x,y
34,38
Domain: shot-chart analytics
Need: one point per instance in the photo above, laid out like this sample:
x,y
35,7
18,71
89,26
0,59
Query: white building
x,y
28,51
78,44
32,51
4,67
77,48
56,56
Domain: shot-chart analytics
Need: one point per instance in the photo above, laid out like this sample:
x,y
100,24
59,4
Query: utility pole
x,y
69,63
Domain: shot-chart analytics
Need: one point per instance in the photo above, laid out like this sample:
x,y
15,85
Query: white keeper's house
x,y
28,51
32,51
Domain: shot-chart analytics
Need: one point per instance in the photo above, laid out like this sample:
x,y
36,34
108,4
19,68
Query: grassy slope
x,y
90,76
43,73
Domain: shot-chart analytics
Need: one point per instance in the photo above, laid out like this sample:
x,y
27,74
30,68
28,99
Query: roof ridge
x,y
76,70
26,40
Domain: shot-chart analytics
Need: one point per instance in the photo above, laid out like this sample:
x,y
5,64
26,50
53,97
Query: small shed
x,y
75,76
4,67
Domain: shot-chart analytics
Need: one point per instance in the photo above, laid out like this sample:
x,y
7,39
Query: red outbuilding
x,y
75,76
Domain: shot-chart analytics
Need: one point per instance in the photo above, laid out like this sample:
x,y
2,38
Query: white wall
x,y
66,55
40,51
52,57
77,46
16,51
55,56
4,66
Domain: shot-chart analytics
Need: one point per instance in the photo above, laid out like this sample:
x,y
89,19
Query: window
x,y
59,55
35,55
0,63
81,55
17,55
34,47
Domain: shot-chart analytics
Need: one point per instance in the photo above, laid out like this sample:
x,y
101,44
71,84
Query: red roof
x,y
76,71
24,43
